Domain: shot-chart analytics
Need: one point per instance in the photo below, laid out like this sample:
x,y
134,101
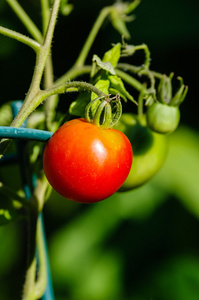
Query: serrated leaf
x,y
77,107
113,55
107,66
117,84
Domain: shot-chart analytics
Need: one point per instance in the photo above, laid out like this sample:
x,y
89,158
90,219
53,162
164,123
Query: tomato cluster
x,y
87,163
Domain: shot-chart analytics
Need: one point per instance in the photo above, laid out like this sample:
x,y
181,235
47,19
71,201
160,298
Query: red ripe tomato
x,y
86,163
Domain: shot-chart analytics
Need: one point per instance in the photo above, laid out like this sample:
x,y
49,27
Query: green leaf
x,y
107,66
77,107
102,85
113,55
117,85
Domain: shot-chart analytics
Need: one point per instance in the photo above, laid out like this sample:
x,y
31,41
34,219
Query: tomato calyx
x,y
165,91
163,115
103,111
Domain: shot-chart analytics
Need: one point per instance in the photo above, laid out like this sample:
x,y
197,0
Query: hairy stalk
x,y
58,89
86,48
40,96
40,64
20,37
51,104
135,70
74,73
34,89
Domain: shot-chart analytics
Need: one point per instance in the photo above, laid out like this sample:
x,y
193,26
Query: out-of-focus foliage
x,y
180,175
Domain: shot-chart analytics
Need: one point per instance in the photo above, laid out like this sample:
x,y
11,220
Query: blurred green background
x,y
139,245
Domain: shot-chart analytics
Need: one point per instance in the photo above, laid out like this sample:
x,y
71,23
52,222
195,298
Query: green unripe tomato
x,y
163,118
149,150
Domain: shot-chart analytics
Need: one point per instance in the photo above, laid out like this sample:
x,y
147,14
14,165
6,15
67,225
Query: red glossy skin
x,y
85,163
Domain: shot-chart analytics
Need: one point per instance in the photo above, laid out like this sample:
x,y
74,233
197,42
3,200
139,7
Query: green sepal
x,y
165,89
113,55
107,66
92,107
116,111
180,95
104,112
103,119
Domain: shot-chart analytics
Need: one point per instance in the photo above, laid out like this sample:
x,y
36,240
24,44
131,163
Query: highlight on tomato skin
x,y
85,163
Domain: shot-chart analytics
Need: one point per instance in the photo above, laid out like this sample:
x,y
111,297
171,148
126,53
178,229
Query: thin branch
x,y
26,20
20,37
92,35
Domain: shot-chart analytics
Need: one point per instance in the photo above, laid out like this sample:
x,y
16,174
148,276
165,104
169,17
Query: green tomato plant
x,y
156,111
